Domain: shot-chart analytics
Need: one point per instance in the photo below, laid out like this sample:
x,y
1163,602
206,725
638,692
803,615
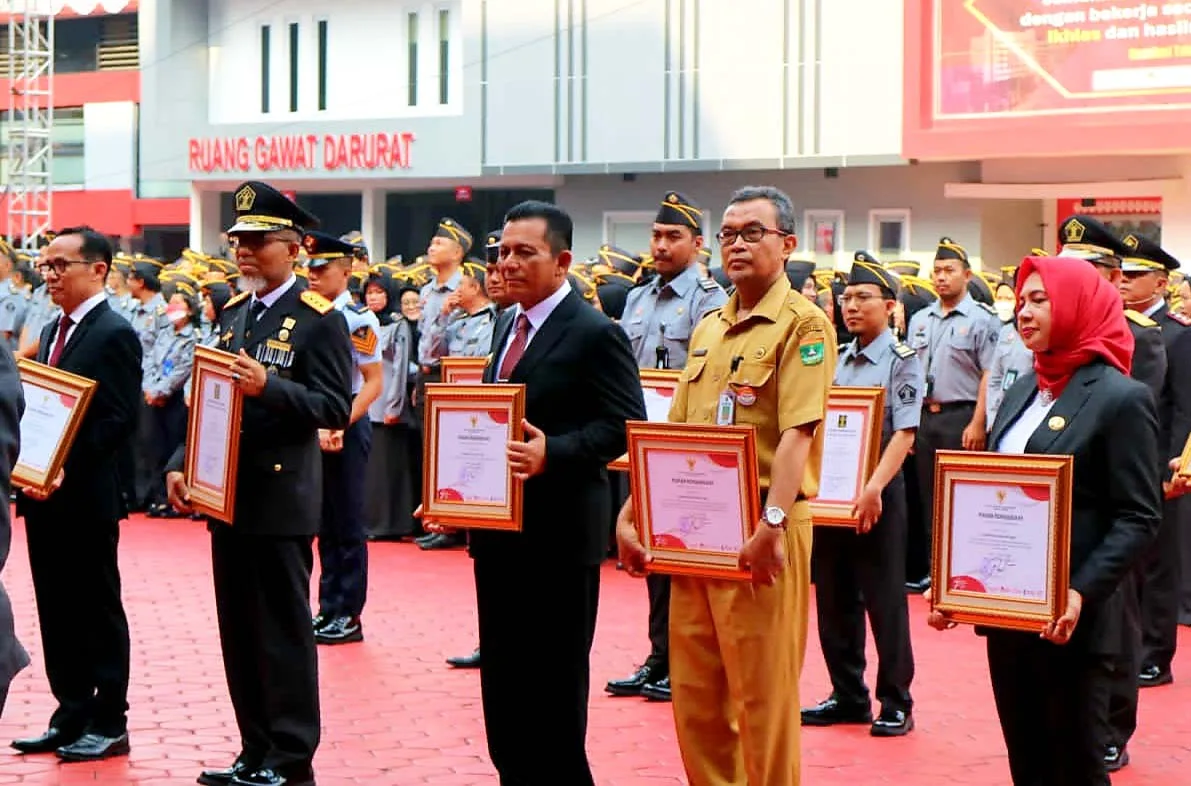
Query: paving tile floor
x,y
394,714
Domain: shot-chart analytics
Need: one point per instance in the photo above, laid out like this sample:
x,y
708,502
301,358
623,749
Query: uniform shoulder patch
x,y
316,301
160,311
364,339
1180,317
708,284
237,300
1138,318
903,351
359,308
987,308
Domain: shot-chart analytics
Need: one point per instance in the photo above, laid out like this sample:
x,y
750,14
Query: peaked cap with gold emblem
x,y
1145,256
678,210
262,208
1083,237
322,248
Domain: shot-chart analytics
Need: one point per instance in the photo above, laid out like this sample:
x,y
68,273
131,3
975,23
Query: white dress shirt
x,y
76,316
275,295
537,315
1019,432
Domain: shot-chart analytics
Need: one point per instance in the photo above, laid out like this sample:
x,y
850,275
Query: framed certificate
x,y
1002,538
213,434
463,370
658,386
851,450
695,495
55,403
466,479
1185,460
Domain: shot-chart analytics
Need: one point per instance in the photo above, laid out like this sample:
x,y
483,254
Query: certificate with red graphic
x,y
695,495
658,387
1002,538
55,403
466,480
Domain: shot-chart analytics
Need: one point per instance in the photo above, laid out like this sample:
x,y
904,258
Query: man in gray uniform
x,y
864,569
464,324
151,325
955,338
14,300
446,252
659,318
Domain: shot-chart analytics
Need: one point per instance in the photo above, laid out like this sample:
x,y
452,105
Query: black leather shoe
x,y
51,740
831,712
471,661
892,723
918,587
1115,758
657,691
429,536
268,777
632,685
437,542
1152,677
224,777
93,747
340,630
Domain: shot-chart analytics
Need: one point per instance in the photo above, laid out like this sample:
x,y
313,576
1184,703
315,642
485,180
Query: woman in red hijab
x,y
1080,402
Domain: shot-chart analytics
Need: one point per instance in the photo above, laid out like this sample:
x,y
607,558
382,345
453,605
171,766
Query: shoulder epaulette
x,y
359,308
902,350
987,308
316,301
708,284
160,311
1138,318
1179,317
237,300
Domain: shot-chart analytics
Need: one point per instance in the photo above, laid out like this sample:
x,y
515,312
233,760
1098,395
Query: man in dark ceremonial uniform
x,y
294,369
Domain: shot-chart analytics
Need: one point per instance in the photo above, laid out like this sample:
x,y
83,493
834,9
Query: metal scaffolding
x,y
29,153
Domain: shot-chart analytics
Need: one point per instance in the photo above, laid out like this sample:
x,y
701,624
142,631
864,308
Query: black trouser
x,y
942,430
536,737
167,430
84,631
145,455
262,598
658,585
343,537
1048,704
1159,591
1118,681
856,574
918,545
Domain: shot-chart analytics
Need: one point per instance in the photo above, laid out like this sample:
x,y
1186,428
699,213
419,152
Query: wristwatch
x,y
775,517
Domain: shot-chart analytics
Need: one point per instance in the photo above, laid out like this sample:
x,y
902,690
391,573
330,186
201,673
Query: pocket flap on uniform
x,y
752,374
694,367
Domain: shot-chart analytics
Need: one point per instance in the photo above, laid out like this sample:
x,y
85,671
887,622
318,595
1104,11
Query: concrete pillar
x,y
373,225
1176,215
204,220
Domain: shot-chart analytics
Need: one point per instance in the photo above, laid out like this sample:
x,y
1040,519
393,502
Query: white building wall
x,y
109,144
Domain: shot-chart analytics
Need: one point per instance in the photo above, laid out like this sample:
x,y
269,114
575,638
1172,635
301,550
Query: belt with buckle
x,y
935,407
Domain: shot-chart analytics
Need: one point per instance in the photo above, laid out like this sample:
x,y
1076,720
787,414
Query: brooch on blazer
x,y
1056,423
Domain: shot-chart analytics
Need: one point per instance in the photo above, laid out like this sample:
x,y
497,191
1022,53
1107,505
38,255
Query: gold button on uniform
x,y
276,467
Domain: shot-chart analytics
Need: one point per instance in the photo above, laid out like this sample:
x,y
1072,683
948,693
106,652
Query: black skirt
x,y
394,482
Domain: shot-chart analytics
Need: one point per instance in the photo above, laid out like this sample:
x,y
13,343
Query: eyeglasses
x,y
751,234
253,241
859,299
57,265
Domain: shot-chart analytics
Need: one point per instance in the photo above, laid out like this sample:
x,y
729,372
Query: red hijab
x,y
1087,320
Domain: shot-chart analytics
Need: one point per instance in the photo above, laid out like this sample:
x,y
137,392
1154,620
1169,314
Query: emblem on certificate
x,y
658,386
695,495
458,370
1002,538
851,450
466,478
55,403
213,434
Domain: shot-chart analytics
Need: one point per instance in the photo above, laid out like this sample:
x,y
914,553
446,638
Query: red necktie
x,y
63,328
516,349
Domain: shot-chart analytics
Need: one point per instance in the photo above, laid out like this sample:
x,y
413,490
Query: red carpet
x,y
394,713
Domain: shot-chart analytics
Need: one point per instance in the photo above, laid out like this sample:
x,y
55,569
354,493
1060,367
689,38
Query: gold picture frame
x,y
56,402
659,384
459,370
1002,496
1185,460
682,470
851,450
487,418
213,434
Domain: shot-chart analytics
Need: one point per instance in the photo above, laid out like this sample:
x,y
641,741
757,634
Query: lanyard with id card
x,y
725,411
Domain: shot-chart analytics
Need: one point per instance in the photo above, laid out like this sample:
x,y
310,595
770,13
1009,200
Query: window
x,y
265,68
629,229
412,38
444,63
293,67
824,236
322,65
68,142
889,234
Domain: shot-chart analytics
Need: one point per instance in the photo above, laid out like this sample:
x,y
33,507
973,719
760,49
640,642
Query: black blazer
x,y
279,477
1149,357
1111,428
13,657
581,385
105,348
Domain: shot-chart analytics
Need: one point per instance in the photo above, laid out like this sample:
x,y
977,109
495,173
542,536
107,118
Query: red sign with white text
x,y
991,78
302,153
1123,215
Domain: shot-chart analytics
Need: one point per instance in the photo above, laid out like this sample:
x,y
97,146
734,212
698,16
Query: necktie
x,y
516,349
258,308
63,328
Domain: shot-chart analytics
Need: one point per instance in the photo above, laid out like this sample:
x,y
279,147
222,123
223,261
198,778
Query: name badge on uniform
x,y
725,412
1010,378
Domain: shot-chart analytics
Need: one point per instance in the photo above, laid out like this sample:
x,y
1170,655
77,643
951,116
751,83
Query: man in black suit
x,y
294,369
73,531
13,657
537,590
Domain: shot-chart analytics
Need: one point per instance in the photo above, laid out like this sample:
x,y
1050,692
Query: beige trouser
x,y
736,653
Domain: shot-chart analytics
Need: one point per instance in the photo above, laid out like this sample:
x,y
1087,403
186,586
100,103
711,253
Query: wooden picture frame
x,y
56,402
1185,460
693,478
459,370
852,427
468,428
213,434
1002,538
658,385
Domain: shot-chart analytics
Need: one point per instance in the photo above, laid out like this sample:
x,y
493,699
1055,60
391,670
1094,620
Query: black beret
x,y
867,270
679,210
453,230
